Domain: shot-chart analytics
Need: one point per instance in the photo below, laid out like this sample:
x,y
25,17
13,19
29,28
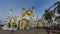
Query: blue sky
x,y
17,5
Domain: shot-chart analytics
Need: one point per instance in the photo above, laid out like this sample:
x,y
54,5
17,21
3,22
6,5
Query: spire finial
x,y
33,7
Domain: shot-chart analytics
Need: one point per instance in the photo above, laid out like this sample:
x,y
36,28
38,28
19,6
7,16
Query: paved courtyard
x,y
33,31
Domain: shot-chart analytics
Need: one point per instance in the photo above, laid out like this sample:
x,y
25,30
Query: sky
x,y
17,5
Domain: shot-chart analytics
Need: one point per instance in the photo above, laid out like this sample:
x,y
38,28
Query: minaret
x,y
23,11
33,11
10,13
9,17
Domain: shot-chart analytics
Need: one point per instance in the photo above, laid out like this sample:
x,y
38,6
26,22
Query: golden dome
x,y
29,12
25,14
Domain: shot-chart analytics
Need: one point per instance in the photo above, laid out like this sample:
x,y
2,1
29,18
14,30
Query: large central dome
x,y
28,13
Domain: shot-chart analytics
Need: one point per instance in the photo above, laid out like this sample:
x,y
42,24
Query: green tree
x,y
57,7
48,15
57,18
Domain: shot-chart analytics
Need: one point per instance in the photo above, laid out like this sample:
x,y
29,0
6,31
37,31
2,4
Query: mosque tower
x,y
9,17
23,11
10,13
33,11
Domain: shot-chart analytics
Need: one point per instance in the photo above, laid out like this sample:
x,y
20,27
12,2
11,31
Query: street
x,y
33,31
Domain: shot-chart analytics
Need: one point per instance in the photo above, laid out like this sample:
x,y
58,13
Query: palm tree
x,y
57,7
48,16
57,18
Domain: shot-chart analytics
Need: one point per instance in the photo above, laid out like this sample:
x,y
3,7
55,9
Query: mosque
x,y
28,19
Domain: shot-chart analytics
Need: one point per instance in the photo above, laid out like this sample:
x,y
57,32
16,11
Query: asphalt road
x,y
33,31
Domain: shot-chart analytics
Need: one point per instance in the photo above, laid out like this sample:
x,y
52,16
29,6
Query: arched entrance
x,y
39,24
23,23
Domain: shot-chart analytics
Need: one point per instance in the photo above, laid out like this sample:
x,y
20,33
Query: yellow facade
x,y
39,24
14,23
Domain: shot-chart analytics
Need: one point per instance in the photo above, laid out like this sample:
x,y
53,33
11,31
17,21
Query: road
x,y
33,31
